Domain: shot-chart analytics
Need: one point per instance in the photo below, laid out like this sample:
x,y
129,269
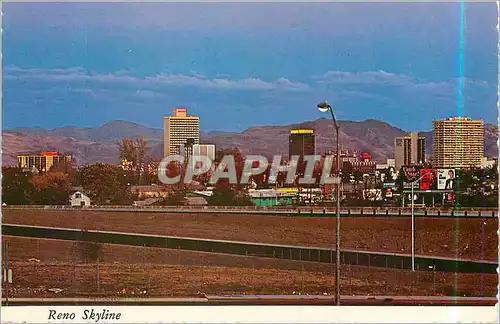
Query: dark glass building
x,y
302,142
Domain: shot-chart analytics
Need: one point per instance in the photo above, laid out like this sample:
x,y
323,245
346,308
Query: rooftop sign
x,y
301,131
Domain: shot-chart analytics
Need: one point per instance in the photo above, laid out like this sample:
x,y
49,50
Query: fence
x,y
298,253
144,272
302,211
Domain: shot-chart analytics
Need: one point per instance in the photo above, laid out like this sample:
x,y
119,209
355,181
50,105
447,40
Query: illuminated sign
x,y
49,153
428,179
180,112
446,179
301,131
289,190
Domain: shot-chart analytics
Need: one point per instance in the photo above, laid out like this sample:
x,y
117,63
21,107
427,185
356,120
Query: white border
x,y
262,314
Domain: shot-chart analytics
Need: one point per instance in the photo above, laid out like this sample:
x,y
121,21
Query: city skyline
x,y
368,60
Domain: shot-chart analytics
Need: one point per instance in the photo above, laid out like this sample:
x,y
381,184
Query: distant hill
x,y
109,133
83,151
98,144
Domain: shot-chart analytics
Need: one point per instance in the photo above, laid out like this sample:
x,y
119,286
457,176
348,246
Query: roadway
x,y
288,252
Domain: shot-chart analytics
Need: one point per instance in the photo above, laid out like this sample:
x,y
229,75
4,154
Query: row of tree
x,y
22,188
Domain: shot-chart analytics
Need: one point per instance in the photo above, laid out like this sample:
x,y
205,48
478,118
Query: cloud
x,y
364,77
372,82
78,74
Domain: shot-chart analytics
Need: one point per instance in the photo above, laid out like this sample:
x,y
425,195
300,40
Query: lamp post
x,y
413,223
324,107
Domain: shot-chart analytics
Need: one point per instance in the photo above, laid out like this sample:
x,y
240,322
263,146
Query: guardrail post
x,y
399,212
361,211
452,213
387,212
479,213
465,213
324,211
349,212
374,212
439,213
492,214
311,211
425,212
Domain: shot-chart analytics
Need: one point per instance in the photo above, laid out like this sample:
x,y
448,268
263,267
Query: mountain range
x,y
99,144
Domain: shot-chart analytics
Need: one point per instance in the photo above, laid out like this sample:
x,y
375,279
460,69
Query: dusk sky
x,y
240,65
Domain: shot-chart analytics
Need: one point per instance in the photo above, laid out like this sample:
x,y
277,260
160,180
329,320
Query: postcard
x,y
295,161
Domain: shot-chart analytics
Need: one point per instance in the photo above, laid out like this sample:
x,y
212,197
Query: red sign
x,y
428,179
49,153
410,174
366,156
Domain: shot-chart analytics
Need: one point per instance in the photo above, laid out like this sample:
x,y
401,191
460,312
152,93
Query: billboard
x,y
410,174
446,179
372,194
428,179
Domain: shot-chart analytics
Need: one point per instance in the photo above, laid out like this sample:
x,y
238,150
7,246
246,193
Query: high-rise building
x,y
302,142
345,156
45,161
181,133
409,150
458,142
205,150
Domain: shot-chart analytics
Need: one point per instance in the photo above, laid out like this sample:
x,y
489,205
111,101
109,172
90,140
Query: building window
x,y
78,195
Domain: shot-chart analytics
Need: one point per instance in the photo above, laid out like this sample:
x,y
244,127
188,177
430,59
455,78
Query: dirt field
x,y
133,271
460,238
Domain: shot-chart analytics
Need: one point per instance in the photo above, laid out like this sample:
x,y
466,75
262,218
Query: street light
x,y
324,107
413,222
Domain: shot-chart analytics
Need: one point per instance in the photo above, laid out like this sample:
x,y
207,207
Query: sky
x,y
238,65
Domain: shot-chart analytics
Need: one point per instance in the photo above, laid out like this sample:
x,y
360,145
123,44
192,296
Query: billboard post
x,y
426,174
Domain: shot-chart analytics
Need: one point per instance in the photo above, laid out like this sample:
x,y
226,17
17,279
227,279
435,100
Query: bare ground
x,y
136,271
459,238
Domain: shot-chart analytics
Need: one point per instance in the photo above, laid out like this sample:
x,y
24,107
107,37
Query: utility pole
x,y
6,273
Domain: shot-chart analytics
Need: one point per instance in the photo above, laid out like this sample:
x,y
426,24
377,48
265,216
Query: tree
x,y
17,188
225,194
51,188
176,195
106,184
239,159
135,152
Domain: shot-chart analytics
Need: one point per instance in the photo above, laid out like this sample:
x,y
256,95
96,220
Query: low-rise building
x,y
79,199
149,191
196,201
485,163
271,197
45,161
366,167
147,202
